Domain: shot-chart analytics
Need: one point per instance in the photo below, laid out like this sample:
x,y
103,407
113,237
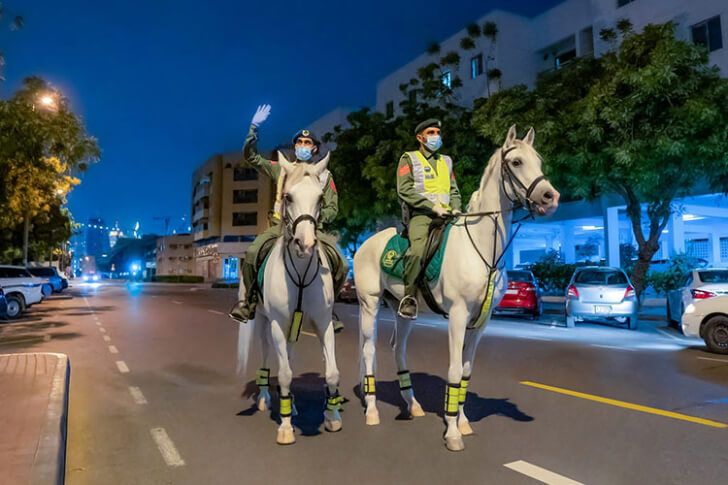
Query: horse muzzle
x,y
545,199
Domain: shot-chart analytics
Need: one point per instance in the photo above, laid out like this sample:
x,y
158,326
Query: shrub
x,y
664,281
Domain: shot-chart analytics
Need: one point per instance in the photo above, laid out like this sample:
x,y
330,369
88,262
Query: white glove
x,y
440,211
261,114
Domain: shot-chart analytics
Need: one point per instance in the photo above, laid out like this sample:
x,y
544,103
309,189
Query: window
x,y
245,218
709,34
244,173
476,66
724,249
622,3
172,246
390,109
714,276
699,248
447,79
245,196
563,58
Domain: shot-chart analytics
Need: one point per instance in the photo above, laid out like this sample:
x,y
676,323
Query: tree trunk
x,y
26,230
639,273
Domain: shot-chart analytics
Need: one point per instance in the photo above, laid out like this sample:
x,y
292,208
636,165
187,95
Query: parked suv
x,y
601,293
50,274
698,284
22,289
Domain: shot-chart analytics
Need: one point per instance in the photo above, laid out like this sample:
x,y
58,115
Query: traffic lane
x,y
431,400
106,435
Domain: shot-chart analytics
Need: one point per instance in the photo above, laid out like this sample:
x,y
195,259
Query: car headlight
x,y
690,308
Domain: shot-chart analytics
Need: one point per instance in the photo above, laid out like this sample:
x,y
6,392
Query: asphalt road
x,y
155,399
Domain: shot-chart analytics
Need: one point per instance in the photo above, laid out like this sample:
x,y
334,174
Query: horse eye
x,y
288,197
516,162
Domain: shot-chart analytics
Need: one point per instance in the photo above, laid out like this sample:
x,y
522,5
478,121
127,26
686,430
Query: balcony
x,y
203,190
200,214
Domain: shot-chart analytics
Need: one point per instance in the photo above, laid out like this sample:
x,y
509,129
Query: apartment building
x,y
175,255
230,206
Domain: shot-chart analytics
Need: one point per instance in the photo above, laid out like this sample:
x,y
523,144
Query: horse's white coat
x,y
461,287
273,316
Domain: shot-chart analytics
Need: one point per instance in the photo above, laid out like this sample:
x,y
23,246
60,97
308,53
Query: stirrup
x,y
401,304
238,318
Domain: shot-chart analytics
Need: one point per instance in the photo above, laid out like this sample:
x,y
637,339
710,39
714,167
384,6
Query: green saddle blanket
x,y
392,261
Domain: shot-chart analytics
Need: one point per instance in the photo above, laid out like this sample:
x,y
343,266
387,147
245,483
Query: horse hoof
x,y
332,426
285,437
372,419
465,429
262,405
416,410
455,444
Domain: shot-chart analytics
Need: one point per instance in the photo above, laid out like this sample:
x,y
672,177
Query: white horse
x,y
297,288
471,261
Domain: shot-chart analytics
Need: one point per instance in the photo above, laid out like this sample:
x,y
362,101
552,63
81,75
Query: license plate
x,y
602,309
511,292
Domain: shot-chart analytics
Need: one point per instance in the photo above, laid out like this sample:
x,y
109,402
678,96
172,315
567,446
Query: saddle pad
x,y
392,261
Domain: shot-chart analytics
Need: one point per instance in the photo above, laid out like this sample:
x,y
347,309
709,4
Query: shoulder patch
x,y
404,170
273,162
452,175
333,185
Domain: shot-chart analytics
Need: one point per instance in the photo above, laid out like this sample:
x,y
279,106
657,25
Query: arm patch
x,y
404,170
333,186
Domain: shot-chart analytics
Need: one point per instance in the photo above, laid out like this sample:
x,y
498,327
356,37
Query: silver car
x,y
601,293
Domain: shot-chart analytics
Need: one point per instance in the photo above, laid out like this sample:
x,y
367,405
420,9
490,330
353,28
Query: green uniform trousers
x,y
417,230
249,270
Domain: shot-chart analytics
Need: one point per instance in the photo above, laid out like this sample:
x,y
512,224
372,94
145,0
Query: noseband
x,y
514,182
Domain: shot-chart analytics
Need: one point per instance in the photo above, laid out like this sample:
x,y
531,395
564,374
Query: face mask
x,y
434,142
303,152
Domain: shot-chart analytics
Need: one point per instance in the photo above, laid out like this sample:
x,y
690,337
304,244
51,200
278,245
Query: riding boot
x,y
244,310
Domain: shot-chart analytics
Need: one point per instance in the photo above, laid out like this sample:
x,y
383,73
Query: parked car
x,y
22,290
602,294
3,304
707,318
50,276
523,295
698,284
348,291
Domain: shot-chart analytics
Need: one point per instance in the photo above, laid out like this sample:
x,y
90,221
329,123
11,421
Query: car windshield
x,y
714,276
600,277
520,276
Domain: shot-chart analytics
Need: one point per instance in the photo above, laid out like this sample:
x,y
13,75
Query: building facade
x,y
230,206
175,255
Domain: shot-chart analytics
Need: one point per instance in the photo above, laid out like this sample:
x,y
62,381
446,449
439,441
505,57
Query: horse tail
x,y
246,333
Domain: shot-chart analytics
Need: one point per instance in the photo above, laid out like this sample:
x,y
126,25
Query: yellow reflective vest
x,y
432,183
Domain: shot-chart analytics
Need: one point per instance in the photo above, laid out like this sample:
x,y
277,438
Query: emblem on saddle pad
x,y
388,259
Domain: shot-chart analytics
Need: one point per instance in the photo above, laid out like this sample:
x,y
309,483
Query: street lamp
x,y
48,101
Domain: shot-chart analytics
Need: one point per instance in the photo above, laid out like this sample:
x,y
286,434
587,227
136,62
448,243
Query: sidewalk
x,y
34,403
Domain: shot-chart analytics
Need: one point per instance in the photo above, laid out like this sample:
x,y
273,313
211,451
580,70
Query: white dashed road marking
x,y
612,347
137,395
98,323
107,338
166,447
176,302
540,474
667,334
122,366
216,312
102,330
113,349
714,360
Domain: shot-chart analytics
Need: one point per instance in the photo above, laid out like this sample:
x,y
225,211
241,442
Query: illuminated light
x,y
572,292
592,228
59,191
630,292
702,294
690,308
692,217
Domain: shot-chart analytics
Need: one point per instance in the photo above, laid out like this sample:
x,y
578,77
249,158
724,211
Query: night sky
x,y
165,84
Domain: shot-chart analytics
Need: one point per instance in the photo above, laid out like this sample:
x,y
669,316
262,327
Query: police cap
x,y
426,124
306,134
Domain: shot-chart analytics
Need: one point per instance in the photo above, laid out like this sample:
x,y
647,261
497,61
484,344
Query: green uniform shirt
x,y
330,205
408,194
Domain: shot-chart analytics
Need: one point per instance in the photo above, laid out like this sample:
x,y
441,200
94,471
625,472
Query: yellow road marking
x,y
627,405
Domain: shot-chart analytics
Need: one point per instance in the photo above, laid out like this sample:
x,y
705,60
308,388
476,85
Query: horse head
x,y
522,177
302,196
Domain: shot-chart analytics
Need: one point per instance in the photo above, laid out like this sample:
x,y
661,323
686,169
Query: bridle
x,y
514,182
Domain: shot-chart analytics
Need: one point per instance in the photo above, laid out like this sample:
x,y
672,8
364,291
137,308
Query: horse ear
x,y
510,137
530,136
322,164
285,164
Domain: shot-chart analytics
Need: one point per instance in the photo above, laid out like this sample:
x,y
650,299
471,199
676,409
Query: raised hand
x,y
261,114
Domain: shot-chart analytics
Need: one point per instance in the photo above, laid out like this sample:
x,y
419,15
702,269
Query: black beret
x,y
306,134
426,124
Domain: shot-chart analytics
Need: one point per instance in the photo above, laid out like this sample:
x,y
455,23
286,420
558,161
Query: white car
x,y
708,319
698,284
21,289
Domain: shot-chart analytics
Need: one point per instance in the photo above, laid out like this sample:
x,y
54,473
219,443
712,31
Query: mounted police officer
x,y
427,189
306,146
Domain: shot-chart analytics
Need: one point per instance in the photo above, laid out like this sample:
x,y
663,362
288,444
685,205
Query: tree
x,y
42,144
647,120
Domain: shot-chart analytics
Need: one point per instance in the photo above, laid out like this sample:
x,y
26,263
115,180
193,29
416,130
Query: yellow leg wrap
x,y
464,389
369,384
296,322
405,381
286,406
333,401
263,377
452,399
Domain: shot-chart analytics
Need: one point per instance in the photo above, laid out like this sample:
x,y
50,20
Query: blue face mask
x,y
303,152
434,142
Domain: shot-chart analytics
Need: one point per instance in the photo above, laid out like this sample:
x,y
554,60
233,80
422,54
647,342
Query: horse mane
x,y
476,200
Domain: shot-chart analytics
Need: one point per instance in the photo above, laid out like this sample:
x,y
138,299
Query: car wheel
x,y
539,311
632,323
570,321
715,334
16,306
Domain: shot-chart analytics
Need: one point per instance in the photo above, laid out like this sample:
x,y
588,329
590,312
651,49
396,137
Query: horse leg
x,y
262,378
368,306
399,345
332,418
285,376
472,337
456,337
